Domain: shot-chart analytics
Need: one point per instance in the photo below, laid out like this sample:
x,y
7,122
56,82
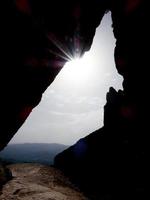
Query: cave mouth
x,y
72,106
123,151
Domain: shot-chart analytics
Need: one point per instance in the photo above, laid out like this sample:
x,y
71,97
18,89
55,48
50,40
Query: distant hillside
x,y
31,152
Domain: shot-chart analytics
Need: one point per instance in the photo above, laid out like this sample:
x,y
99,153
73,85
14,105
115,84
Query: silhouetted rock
x,y
111,162
35,181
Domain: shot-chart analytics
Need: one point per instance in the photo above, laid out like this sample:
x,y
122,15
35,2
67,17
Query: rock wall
x,y
112,162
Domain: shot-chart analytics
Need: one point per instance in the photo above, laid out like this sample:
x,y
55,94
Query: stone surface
x,y
5,175
35,181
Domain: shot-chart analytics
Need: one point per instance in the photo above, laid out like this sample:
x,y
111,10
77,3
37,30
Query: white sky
x,y
72,106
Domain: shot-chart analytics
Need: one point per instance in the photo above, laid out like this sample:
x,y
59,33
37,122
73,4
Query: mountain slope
x,y
43,153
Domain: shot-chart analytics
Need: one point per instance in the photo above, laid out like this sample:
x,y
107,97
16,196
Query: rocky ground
x,y
38,182
5,175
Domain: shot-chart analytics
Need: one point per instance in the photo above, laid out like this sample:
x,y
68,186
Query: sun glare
x,y
78,70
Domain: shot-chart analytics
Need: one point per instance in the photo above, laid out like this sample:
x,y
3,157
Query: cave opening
x,y
72,106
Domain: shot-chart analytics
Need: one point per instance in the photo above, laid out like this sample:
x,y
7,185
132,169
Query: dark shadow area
x,y
110,163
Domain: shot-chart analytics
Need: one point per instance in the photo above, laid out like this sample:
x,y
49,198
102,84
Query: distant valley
x,y
43,153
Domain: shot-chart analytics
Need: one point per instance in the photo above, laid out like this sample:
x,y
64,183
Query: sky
x,y
72,106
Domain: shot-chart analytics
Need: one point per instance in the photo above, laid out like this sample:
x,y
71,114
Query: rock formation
x,y
35,181
112,162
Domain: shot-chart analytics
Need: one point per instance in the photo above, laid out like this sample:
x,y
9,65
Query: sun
x,y
78,70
